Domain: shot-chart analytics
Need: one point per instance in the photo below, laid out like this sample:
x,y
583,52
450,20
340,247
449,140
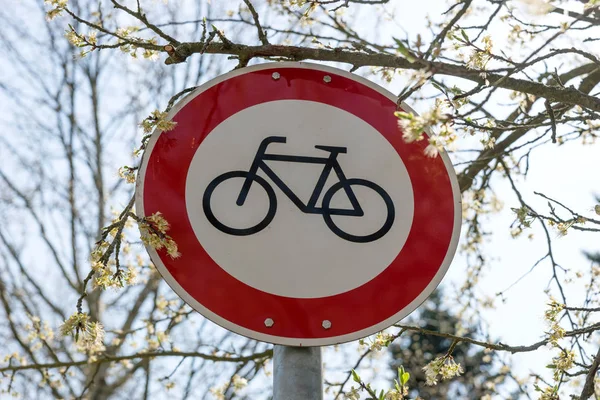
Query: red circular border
x,y
384,296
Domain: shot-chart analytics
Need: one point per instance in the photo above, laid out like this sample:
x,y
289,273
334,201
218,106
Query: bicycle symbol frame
x,y
330,164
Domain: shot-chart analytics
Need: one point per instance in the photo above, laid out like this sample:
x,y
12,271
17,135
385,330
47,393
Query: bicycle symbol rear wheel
x,y
387,225
206,205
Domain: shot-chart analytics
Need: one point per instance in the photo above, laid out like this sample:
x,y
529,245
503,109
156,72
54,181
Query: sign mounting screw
x,y
269,322
326,324
276,75
326,79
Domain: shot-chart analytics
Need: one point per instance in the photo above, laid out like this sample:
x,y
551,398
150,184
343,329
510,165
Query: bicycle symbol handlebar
x,y
326,210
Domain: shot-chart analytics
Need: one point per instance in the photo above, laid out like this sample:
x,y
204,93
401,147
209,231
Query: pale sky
x,y
567,173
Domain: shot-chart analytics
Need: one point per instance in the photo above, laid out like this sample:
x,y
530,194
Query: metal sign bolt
x,y
276,75
326,324
269,322
326,79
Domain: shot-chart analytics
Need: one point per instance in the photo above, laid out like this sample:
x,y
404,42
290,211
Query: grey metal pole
x,y
297,373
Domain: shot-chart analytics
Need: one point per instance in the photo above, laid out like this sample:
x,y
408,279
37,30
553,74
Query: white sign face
x,y
297,254
301,215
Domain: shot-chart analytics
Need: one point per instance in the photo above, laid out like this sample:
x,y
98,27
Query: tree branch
x,y
103,359
588,387
567,95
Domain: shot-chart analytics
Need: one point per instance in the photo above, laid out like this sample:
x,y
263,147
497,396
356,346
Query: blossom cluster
x,y
380,341
88,335
157,120
480,58
82,41
525,216
237,383
413,127
154,234
107,273
563,362
105,278
131,44
445,367
58,6
127,173
564,226
551,316
565,359
39,332
79,40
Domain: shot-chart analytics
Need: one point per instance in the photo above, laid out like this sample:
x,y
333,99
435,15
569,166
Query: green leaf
x,y
438,87
355,376
382,395
464,35
399,43
403,115
404,378
404,51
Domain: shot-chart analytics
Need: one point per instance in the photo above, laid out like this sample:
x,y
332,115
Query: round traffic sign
x,y
301,215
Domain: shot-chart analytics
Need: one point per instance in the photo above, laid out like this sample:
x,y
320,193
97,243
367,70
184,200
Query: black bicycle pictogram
x,y
329,163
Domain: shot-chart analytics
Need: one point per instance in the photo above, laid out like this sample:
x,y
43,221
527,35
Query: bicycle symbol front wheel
x,y
206,203
387,225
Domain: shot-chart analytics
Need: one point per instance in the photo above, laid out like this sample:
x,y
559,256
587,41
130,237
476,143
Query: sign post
x,y
297,373
302,216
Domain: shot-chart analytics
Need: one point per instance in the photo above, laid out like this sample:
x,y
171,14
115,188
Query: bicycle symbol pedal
x,y
326,210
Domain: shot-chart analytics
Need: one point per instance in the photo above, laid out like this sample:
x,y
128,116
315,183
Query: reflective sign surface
x,y
301,215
